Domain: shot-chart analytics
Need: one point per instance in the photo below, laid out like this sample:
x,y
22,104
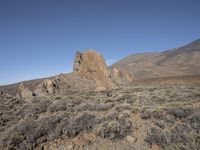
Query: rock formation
x,y
90,72
24,91
49,86
121,75
91,65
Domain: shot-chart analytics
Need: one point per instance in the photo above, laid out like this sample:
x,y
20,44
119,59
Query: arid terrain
x,y
180,61
130,117
96,107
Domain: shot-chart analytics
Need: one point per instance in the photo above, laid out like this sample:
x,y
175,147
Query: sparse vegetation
x,y
170,123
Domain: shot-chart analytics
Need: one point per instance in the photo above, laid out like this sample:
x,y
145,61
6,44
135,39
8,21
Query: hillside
x,y
175,62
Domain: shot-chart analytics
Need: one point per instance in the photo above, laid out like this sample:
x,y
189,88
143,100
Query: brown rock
x,y
130,139
90,136
50,86
121,75
23,91
80,142
70,147
91,65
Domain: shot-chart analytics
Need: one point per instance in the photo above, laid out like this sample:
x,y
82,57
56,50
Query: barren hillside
x,y
175,62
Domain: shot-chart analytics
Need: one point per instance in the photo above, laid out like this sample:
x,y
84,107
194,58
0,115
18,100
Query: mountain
x,y
174,62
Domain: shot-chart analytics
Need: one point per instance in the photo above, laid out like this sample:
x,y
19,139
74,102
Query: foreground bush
x,y
30,132
191,142
118,126
156,135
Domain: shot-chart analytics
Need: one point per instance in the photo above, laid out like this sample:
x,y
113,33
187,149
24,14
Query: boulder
x,y
49,86
121,75
24,91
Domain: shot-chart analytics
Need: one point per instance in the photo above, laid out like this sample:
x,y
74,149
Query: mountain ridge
x,y
184,60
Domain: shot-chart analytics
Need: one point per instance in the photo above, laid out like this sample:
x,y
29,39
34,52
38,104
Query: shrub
x,y
180,131
191,142
160,124
194,121
31,110
117,128
93,107
123,107
146,113
103,107
58,105
180,112
156,135
42,106
109,116
168,118
58,97
83,121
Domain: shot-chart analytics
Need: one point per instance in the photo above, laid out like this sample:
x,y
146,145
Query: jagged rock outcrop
x,y
121,75
24,91
91,65
50,86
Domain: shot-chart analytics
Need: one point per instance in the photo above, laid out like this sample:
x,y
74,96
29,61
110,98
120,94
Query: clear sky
x,y
39,38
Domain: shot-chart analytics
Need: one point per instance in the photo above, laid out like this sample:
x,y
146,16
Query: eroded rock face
x,y
120,75
91,65
24,91
49,86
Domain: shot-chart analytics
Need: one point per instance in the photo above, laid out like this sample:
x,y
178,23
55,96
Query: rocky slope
x,y
175,62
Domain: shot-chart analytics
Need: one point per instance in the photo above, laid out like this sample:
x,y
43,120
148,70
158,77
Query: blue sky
x,y
39,38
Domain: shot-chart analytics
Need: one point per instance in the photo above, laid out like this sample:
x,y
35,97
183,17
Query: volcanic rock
x,y
24,91
121,75
50,86
91,65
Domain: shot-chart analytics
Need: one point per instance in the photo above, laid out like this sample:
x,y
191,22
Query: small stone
x,y
61,147
131,139
70,147
91,137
